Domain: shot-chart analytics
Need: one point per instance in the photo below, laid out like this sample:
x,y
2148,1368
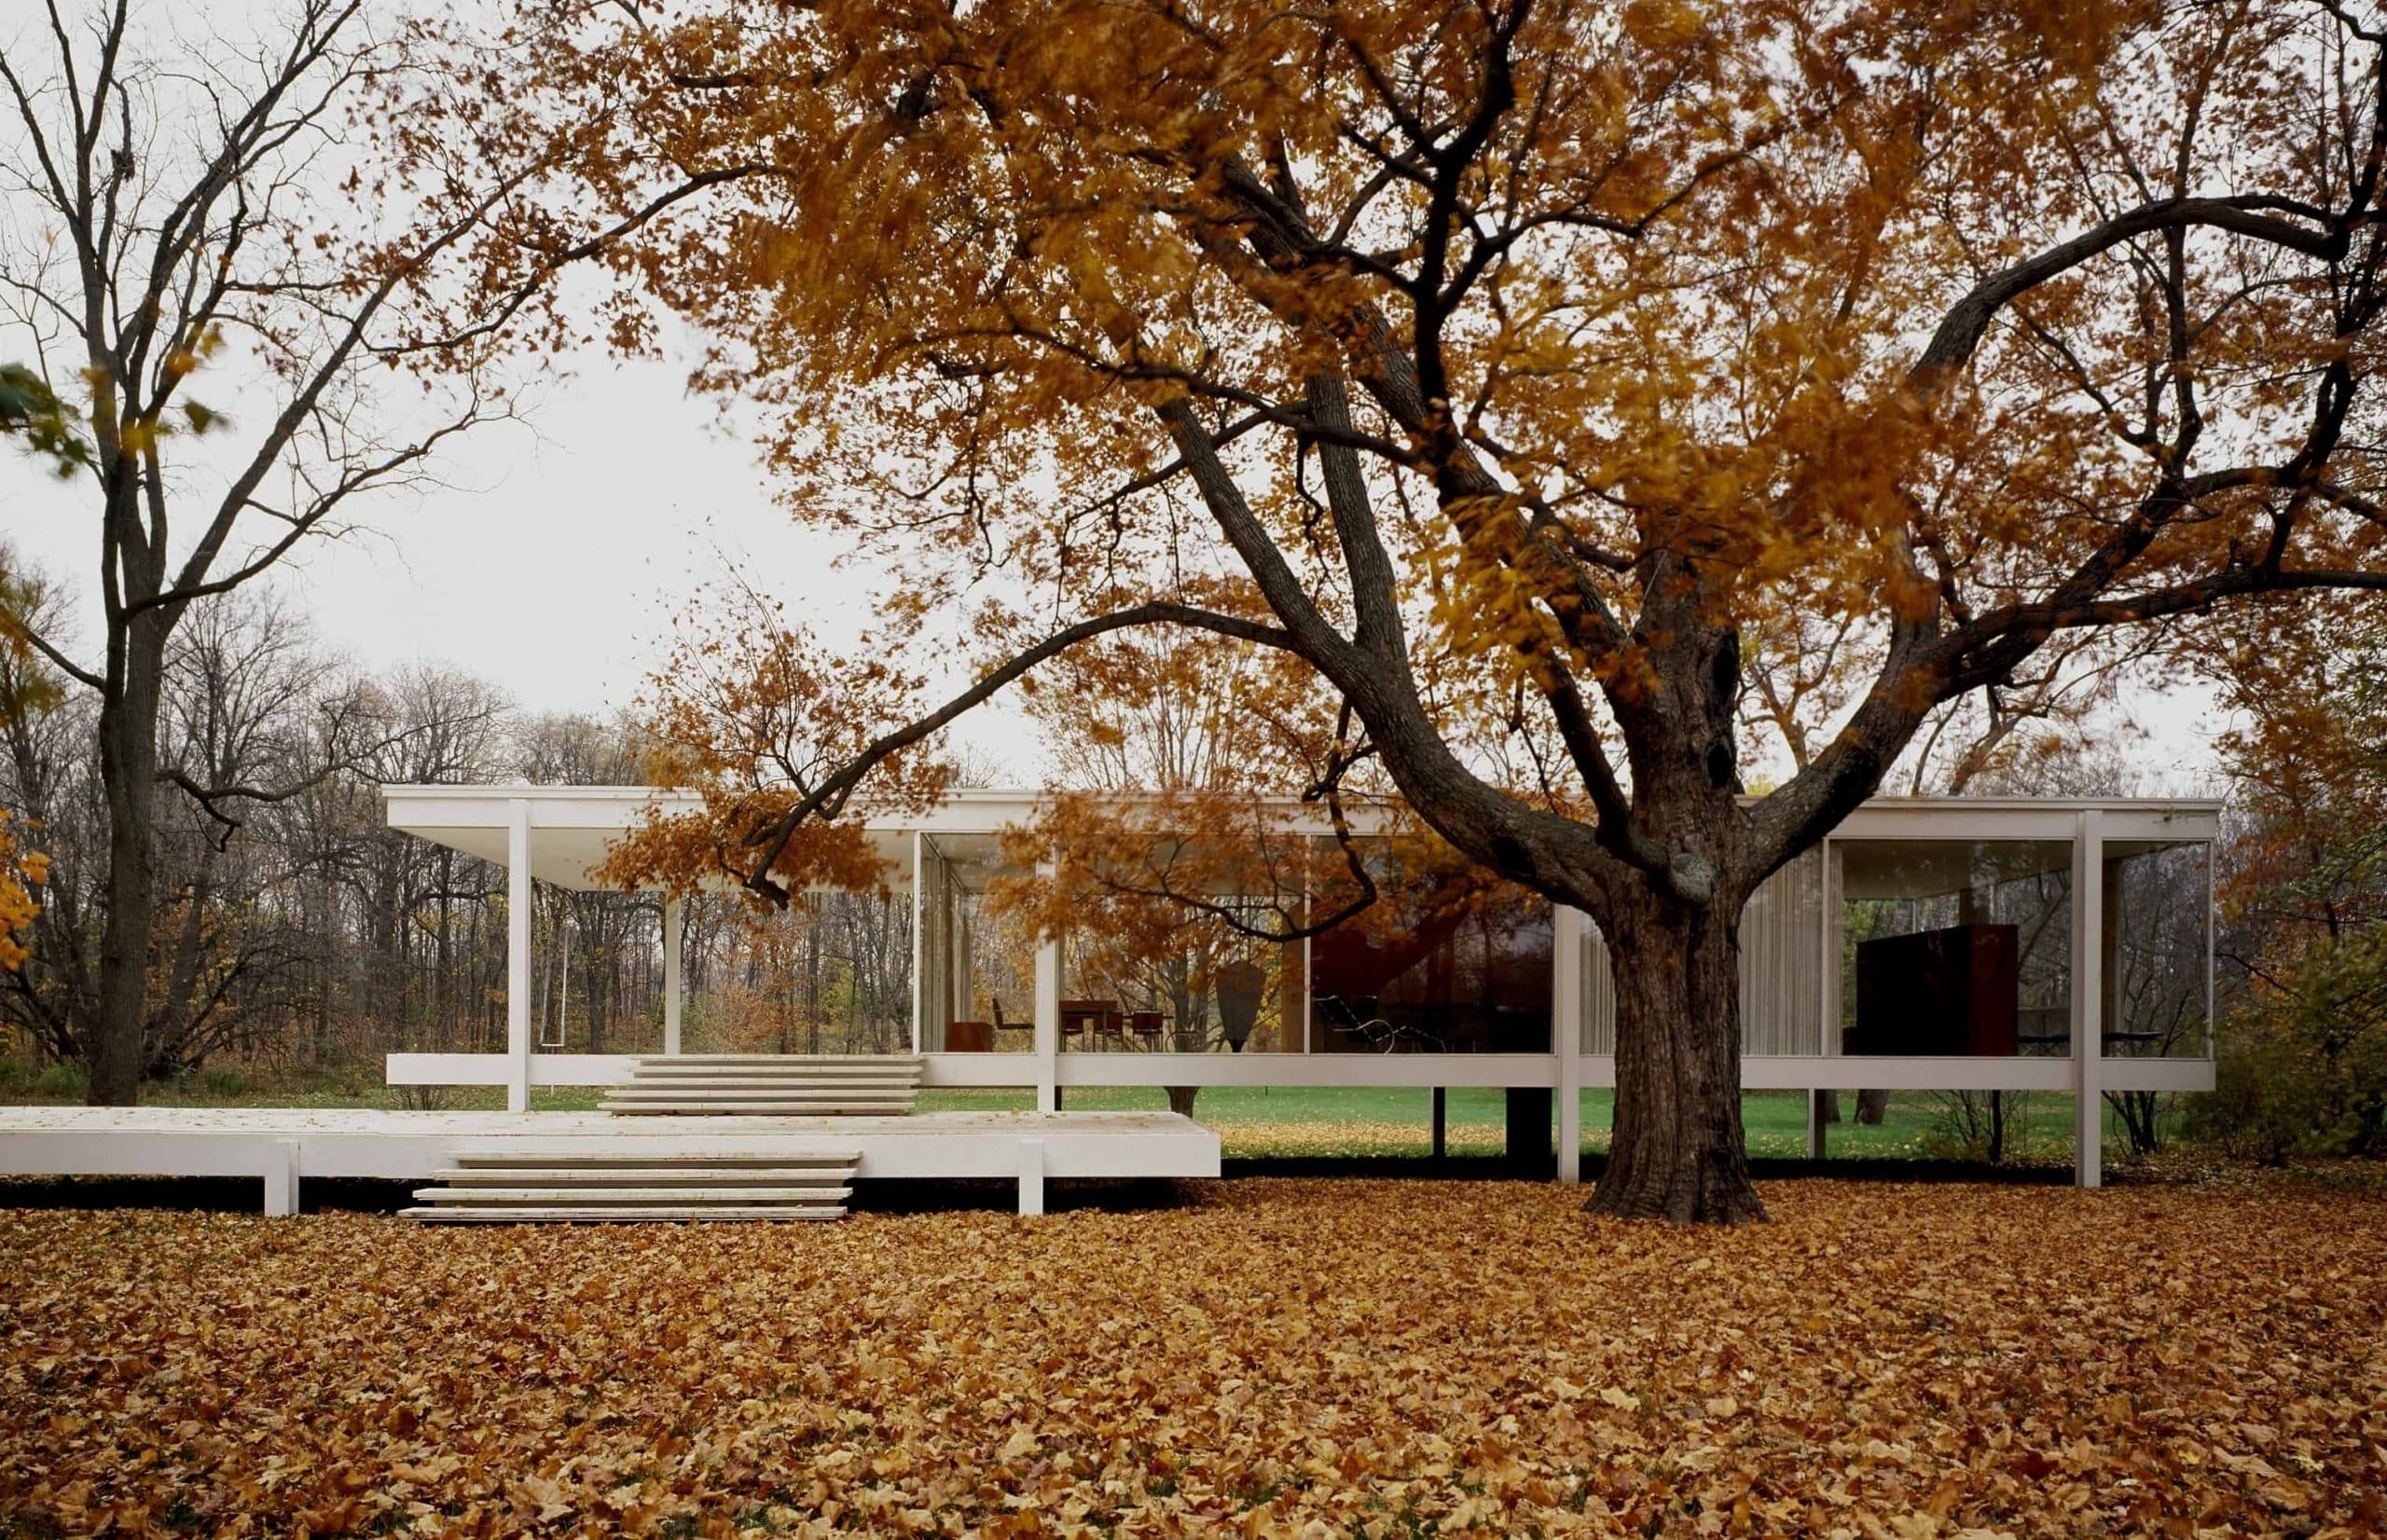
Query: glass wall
x,y
2158,948
1444,961
1207,988
1955,948
977,967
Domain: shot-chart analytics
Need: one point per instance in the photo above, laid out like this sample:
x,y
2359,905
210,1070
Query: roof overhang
x,y
572,828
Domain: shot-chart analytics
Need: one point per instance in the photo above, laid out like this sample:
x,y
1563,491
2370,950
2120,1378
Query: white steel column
x,y
1048,1024
1828,985
919,935
671,983
2088,998
1567,1027
1048,1015
518,955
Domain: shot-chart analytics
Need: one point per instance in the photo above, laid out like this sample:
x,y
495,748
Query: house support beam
x,y
671,977
920,937
1567,927
518,955
282,1178
1048,1022
2088,998
1031,1177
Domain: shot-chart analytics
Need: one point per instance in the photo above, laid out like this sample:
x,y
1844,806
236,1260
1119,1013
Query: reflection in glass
x,y
1445,961
1955,947
2159,940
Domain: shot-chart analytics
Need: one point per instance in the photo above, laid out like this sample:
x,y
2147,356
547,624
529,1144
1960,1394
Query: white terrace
x,y
1975,944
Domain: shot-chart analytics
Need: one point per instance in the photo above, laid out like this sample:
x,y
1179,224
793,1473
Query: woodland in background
x,y
296,931
301,936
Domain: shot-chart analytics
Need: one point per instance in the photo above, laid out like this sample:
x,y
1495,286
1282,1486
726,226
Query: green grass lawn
x,y
1263,1119
1256,1121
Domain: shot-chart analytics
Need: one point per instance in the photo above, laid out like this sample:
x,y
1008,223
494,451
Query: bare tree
x,y
165,206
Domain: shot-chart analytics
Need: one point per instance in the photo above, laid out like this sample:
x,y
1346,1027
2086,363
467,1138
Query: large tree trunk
x,y
128,734
1677,1152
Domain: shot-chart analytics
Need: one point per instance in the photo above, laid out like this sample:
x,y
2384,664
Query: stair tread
x,y
627,1197
631,1173
460,1214
752,1106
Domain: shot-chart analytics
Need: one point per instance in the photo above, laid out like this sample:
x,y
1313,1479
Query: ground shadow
x,y
996,1195
1482,1168
202,1194
356,1195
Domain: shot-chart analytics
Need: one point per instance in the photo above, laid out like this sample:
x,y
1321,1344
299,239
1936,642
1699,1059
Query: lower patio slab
x,y
283,1145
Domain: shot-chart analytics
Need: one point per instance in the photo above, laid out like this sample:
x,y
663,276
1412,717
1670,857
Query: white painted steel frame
x,y
1592,1072
487,820
282,1144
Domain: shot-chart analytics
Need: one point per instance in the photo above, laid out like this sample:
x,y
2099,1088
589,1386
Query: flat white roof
x,y
573,826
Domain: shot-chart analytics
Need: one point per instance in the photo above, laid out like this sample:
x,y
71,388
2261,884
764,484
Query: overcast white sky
x,y
551,557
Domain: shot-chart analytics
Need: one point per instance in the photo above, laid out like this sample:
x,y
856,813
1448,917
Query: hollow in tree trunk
x,y
1677,1151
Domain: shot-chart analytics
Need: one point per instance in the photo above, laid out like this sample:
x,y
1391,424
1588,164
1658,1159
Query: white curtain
x,y
1781,948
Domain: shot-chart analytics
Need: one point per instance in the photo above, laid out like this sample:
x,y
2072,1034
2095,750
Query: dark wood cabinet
x,y
1949,993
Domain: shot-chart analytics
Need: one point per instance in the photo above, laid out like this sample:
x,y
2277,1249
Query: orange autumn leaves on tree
x,y
21,875
2308,753
1531,360
752,715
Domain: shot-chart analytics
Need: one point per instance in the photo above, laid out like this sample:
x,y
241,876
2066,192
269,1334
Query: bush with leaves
x,y
2302,1070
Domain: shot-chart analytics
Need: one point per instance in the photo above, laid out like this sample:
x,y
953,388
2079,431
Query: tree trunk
x,y
1678,1152
1871,1108
1181,1099
128,734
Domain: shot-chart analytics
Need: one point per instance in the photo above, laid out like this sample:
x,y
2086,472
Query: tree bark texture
x,y
1678,1152
128,734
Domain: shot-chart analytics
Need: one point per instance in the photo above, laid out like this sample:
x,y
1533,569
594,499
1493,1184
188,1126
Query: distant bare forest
x,y
296,931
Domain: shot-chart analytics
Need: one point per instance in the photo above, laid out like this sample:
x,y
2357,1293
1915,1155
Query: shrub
x,y
225,1082
2302,1070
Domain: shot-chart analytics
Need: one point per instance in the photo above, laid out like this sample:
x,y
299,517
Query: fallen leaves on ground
x,y
1302,1357
1358,1136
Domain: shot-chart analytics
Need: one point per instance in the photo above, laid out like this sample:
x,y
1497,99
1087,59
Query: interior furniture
x,y
1099,1017
1947,994
970,1036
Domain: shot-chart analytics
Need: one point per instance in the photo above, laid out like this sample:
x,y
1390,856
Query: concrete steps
x,y
619,1180
820,1085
